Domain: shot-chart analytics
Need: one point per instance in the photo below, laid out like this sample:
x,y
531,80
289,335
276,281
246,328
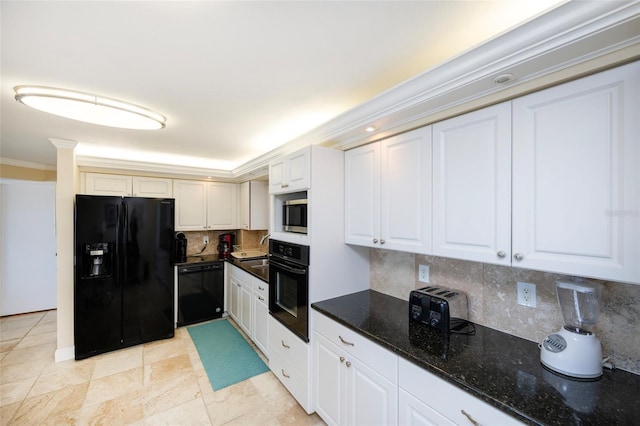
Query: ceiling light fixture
x,y
370,129
89,108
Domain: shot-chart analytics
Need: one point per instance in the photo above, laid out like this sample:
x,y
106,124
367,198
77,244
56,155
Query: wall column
x,y
66,187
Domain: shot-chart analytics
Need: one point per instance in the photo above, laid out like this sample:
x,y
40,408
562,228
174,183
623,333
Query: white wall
x,y
28,256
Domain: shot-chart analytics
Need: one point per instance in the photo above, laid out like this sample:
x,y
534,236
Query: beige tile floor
x,y
158,383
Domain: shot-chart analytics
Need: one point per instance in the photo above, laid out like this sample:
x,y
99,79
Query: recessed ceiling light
x,y
370,129
89,108
503,78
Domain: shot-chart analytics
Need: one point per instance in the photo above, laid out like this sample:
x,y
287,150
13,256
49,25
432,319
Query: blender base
x,y
572,354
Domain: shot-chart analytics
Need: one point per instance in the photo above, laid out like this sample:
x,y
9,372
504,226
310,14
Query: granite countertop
x,y
501,369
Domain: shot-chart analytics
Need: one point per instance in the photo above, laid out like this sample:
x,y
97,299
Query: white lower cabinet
x,y
355,380
249,305
289,360
428,400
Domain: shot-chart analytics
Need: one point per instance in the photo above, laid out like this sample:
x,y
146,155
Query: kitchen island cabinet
x,y
481,371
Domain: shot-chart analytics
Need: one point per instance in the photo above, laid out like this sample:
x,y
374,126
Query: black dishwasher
x,y
200,292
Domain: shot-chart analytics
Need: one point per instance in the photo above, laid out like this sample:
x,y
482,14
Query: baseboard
x,y
65,354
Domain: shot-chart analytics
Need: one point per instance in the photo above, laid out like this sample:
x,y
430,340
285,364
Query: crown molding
x,y
574,39
26,164
64,144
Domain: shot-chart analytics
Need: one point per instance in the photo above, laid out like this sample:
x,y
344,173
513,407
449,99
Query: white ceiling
x,y
235,79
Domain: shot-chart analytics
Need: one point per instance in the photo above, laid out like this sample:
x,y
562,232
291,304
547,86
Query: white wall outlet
x,y
527,294
423,273
205,239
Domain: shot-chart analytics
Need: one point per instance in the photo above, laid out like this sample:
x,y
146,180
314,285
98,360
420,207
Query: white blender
x,y
574,350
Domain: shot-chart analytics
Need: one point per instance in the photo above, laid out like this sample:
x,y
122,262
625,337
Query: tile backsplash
x,y
491,290
196,246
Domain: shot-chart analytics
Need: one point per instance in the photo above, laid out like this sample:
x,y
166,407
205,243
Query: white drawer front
x,y
290,347
262,289
449,400
375,356
297,385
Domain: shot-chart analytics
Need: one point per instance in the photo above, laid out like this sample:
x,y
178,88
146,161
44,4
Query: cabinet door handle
x,y
341,359
261,298
471,419
260,288
345,342
375,241
382,241
348,364
284,345
284,185
518,256
501,254
285,374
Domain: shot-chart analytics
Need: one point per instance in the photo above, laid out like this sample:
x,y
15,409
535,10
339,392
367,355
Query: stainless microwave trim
x,y
296,202
298,229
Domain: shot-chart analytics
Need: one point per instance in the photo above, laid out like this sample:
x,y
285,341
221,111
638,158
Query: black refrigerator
x,y
124,279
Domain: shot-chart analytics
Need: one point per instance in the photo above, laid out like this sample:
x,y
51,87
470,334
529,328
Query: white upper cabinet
x,y
254,205
107,184
388,193
222,205
152,187
290,173
576,177
126,186
205,205
472,186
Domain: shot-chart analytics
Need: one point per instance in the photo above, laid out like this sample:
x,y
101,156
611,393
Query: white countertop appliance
x,y
575,351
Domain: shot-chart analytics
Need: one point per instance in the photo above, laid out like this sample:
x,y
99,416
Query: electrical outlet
x,y
527,294
423,273
205,240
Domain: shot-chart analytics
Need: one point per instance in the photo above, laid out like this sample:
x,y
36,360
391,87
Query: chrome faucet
x,y
264,237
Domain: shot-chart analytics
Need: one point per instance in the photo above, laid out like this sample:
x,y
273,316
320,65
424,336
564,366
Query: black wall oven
x,y
289,286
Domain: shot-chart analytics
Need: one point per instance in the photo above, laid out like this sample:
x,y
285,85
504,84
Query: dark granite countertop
x,y
501,369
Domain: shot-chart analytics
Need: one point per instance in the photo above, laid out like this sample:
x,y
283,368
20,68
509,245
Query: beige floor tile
x,y
269,386
62,374
15,391
45,352
50,316
163,349
43,327
20,321
14,333
8,345
167,369
117,362
161,396
36,410
232,402
8,411
23,370
192,413
114,386
122,410
34,340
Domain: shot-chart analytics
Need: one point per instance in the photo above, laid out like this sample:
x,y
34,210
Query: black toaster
x,y
444,309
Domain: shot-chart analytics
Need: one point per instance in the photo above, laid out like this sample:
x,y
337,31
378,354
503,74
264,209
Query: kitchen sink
x,y
255,263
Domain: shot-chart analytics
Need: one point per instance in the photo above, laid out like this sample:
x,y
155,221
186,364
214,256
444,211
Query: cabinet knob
x,y
348,364
518,256
375,241
382,241
501,254
341,359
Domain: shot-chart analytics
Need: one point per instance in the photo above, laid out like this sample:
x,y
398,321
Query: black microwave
x,y
294,216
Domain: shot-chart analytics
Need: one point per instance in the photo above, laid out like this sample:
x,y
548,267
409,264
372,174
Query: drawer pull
x,y
346,342
341,359
348,364
260,288
261,298
471,419
284,345
285,374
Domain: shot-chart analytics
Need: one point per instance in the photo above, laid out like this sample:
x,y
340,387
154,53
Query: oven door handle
x,y
287,268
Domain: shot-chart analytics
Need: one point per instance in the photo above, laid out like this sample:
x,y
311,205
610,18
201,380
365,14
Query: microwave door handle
x,y
289,268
